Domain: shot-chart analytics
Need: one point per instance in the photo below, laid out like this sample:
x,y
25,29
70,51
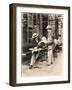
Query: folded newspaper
x,y
35,49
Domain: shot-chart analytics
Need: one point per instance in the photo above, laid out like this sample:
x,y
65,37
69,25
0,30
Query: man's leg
x,y
33,59
37,55
50,57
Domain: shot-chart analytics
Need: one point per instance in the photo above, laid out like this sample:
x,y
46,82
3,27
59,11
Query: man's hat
x,y
34,35
49,27
44,40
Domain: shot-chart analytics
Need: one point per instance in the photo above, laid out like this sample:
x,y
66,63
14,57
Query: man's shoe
x,y
51,62
30,67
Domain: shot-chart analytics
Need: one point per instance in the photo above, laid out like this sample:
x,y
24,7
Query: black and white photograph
x,y
42,42
41,39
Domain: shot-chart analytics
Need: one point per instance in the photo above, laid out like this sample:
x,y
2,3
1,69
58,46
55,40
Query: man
x,y
58,43
50,44
35,50
43,44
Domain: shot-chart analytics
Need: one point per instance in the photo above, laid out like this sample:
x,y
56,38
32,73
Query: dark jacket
x,y
35,43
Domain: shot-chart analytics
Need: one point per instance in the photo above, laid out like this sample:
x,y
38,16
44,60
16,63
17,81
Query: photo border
x,y
12,63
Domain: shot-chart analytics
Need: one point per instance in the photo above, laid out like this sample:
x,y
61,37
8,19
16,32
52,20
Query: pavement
x,y
41,68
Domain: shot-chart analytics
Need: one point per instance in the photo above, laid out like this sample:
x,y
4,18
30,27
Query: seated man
x,y
39,48
43,44
35,50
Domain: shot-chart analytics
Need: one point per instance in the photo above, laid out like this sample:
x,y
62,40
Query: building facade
x,y
37,22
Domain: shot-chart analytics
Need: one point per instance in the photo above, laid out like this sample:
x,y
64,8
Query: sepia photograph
x,y
40,44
